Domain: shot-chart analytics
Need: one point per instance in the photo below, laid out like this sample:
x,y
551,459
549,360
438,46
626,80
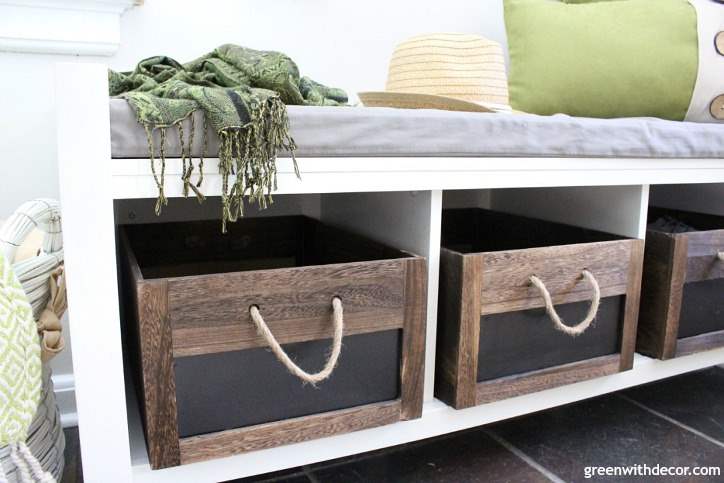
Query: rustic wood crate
x,y
208,386
495,339
682,298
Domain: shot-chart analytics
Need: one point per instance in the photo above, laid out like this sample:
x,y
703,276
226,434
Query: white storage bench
x,y
386,176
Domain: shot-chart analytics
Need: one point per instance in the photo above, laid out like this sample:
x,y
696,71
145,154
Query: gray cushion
x,y
357,131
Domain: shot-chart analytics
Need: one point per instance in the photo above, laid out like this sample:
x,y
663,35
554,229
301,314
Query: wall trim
x,y
64,385
75,27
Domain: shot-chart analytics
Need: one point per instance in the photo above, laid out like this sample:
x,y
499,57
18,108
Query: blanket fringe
x,y
160,180
247,153
250,153
187,158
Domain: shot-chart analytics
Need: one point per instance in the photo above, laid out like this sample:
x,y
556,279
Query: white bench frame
x,y
112,443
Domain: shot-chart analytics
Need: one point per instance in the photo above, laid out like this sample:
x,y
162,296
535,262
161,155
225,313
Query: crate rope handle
x,y
281,355
581,327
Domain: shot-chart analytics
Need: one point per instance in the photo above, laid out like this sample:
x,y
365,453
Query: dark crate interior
x,y
697,221
474,230
199,247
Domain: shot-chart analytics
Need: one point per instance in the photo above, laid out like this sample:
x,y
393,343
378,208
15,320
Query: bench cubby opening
x,y
497,337
209,387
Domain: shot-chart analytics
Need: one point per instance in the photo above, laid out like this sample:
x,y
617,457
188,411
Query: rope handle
x,y
281,355
720,255
582,326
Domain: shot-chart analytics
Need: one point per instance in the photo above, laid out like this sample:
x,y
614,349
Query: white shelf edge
x,y
132,177
76,27
437,419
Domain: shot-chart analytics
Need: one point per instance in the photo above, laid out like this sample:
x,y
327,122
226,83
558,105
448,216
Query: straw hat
x,y
457,72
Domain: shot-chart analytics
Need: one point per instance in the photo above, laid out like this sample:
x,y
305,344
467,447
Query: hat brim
x,y
409,100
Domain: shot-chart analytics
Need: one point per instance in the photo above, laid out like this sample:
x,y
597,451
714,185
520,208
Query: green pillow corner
x,y
602,58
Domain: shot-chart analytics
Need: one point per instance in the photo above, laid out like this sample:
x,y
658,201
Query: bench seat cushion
x,y
375,132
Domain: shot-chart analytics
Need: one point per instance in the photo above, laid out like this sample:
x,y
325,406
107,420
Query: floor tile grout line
x,y
523,456
672,420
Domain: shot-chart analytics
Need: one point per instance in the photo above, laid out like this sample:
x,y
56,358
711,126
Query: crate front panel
x,y
216,392
524,341
482,289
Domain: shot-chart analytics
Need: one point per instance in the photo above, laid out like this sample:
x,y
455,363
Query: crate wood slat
x,y
148,308
459,336
633,302
662,290
159,391
412,370
702,262
234,441
210,313
699,343
482,281
507,274
519,384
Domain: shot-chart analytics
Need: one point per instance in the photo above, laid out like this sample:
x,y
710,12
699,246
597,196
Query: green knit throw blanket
x,y
242,93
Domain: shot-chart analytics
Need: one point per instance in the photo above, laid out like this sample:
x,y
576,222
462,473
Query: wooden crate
x,y
495,340
682,299
208,386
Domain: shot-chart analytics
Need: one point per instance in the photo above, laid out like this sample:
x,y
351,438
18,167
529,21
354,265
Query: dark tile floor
x,y
676,422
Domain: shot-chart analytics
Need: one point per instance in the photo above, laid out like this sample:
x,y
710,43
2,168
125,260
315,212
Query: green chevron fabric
x,y
20,366
243,93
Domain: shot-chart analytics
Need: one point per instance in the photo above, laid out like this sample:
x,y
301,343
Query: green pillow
x,y
602,58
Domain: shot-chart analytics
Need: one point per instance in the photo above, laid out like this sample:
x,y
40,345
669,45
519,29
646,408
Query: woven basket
x,y
46,440
45,436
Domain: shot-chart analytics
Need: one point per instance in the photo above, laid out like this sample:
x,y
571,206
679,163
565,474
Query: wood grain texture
x,y
458,328
235,441
702,261
633,300
672,260
485,280
507,387
159,388
291,268
507,273
699,343
665,260
210,313
412,371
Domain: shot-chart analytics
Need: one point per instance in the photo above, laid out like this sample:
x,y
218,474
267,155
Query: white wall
x,y
338,42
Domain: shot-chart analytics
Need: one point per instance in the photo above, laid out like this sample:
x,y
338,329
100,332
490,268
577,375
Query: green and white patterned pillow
x,y
20,375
